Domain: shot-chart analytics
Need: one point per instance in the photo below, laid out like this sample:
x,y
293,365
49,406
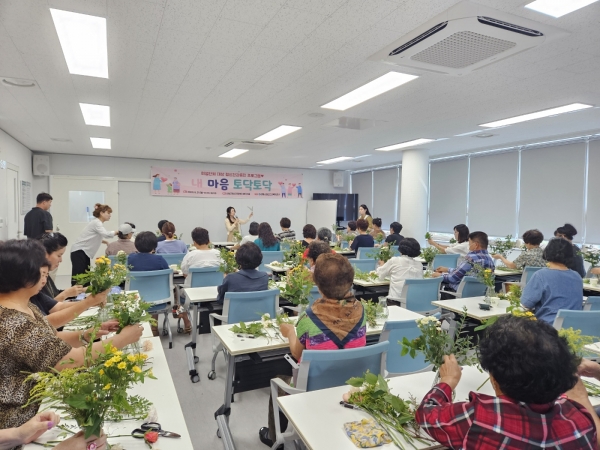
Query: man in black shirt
x,y
39,221
395,237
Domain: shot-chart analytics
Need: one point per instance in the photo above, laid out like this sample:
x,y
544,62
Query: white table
x,y
506,273
594,348
196,296
472,304
223,244
238,346
318,417
589,287
345,252
161,392
278,268
364,283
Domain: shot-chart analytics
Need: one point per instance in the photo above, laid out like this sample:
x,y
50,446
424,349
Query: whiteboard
x,y
321,213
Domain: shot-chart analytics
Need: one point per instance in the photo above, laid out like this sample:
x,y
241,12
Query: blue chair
x,y
586,321
269,257
285,246
442,260
173,258
395,251
367,252
366,265
322,369
314,295
417,295
156,287
528,271
395,364
592,303
242,307
469,287
199,277
344,245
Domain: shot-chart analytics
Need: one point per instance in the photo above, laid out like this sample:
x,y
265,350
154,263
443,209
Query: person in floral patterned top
x,y
533,257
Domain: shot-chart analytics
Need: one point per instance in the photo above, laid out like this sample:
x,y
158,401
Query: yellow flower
x,y
116,359
118,353
107,387
131,358
113,349
108,363
136,369
142,356
488,270
122,365
101,371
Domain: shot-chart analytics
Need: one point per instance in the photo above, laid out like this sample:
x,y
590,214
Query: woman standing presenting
x,y
88,242
232,223
365,214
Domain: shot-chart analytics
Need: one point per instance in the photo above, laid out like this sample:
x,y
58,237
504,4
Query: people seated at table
x,y
539,400
203,255
267,242
315,249
124,243
56,245
533,256
590,369
478,254
171,244
334,321
363,239
250,237
377,231
309,233
351,228
365,214
403,267
146,260
568,231
460,247
28,343
395,237
286,233
555,287
161,236
247,279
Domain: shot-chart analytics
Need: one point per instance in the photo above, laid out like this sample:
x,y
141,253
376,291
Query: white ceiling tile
x,y
89,7
136,20
11,62
35,38
257,12
316,6
92,90
24,11
230,38
191,15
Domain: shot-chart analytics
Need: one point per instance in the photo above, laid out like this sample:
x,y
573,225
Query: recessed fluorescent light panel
x,y
95,114
405,144
376,87
100,143
558,8
233,153
335,160
277,133
537,115
83,41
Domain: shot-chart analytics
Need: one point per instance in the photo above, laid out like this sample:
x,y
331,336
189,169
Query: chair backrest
x,y
344,244
285,246
395,251
250,306
441,260
527,272
418,294
586,321
205,276
154,286
269,257
366,252
113,259
470,287
322,369
313,295
366,265
173,258
393,332
592,303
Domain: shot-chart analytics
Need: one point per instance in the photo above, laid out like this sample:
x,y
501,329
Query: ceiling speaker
x,y
41,165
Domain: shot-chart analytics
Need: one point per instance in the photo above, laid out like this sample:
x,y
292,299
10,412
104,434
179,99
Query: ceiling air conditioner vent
x,y
465,38
246,144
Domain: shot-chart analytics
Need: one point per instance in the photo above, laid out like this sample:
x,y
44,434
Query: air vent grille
x,y
463,49
509,26
419,38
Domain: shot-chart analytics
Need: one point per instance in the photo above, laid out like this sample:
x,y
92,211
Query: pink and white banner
x,y
208,183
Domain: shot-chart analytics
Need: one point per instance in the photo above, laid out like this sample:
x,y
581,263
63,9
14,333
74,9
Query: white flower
x,y
265,316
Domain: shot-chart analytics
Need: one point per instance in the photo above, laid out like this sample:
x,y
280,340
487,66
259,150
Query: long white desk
x,y
590,287
375,283
278,268
472,304
318,417
506,273
161,392
238,346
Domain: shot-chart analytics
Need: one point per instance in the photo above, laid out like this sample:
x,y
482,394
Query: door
x,y
73,205
12,216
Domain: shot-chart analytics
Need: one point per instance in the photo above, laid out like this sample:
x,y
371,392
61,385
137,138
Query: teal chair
x,y
172,258
395,251
285,246
344,245
199,277
468,287
442,260
366,265
156,287
395,364
242,307
367,252
592,303
586,321
322,369
269,257
528,271
417,295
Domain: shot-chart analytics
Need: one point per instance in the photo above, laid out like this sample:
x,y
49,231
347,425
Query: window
x,y
448,194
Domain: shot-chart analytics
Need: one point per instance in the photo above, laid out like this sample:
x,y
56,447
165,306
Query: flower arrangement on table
x,y
365,276
428,254
592,256
434,343
259,329
130,309
373,311
122,258
576,341
347,237
379,238
502,246
96,392
370,393
294,255
102,277
485,276
237,236
228,263
384,254
298,284
514,308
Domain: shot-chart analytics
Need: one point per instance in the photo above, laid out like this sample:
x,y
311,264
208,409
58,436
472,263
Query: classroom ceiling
x,y
186,76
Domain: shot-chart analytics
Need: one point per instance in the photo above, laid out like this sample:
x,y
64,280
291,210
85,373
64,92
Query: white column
x,y
414,194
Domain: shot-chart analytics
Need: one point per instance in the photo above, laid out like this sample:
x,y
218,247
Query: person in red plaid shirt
x,y
530,369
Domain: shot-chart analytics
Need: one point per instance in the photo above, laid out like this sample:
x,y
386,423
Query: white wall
x,y
18,155
138,206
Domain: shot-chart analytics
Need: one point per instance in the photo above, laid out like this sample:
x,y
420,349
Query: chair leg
x,y
166,321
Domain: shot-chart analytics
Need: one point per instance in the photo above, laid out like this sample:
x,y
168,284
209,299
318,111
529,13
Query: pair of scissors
x,y
152,426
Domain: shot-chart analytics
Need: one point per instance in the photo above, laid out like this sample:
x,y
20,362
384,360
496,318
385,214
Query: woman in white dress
x,y
232,223
460,247
403,267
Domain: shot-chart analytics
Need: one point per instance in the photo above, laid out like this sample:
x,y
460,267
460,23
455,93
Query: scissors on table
x,y
152,426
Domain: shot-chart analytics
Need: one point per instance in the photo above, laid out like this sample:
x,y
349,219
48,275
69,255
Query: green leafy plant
x,y
576,341
428,235
382,254
514,308
365,276
294,255
452,241
228,263
129,309
255,329
122,258
591,388
348,237
502,246
371,394
372,312
298,284
592,256
237,236
379,238
96,392
102,276
428,254
486,276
